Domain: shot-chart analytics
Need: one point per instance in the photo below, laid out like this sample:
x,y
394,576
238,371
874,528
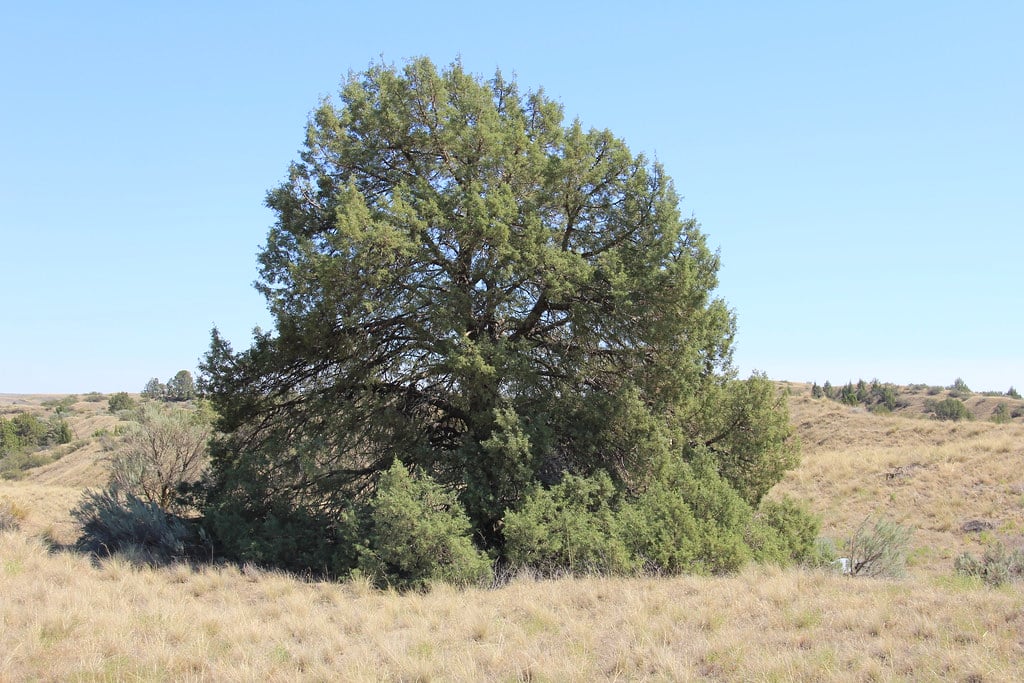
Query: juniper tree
x,y
461,280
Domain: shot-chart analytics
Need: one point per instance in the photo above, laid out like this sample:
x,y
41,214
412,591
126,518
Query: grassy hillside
x,y
67,617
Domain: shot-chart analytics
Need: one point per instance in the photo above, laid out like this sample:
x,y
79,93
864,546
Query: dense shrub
x,y
784,532
571,526
121,401
418,533
878,548
688,520
22,437
948,409
1013,393
996,567
114,521
1001,415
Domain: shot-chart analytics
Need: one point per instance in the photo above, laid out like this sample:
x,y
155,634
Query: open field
x,y
67,617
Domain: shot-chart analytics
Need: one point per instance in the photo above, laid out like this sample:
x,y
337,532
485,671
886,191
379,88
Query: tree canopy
x,y
464,282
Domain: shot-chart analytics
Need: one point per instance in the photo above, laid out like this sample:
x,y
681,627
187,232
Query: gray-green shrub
x,y
878,548
996,567
115,521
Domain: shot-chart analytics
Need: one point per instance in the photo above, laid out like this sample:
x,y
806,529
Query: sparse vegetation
x,y
996,567
10,520
1001,415
878,548
959,389
164,451
876,396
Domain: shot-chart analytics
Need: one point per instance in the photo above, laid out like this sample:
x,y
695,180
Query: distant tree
x,y
959,389
181,387
1013,393
817,391
154,389
1001,414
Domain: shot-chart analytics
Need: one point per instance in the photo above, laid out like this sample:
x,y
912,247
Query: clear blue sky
x,y
859,165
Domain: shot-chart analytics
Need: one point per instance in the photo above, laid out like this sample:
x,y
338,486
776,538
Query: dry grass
x,y
65,617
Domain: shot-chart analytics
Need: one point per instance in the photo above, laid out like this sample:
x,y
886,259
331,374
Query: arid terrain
x,y
67,616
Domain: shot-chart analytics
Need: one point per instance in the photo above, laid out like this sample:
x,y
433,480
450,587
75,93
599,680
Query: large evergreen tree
x,y
463,282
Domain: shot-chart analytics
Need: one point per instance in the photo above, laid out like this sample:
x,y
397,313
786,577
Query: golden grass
x,y
929,475
66,617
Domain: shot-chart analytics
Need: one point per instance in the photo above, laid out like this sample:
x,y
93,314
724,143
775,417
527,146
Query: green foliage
x,y
1013,393
419,533
121,401
878,548
22,437
1001,415
996,567
181,387
571,526
959,389
114,521
784,532
746,432
512,304
154,389
876,396
688,520
948,409
60,432
30,429
817,391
